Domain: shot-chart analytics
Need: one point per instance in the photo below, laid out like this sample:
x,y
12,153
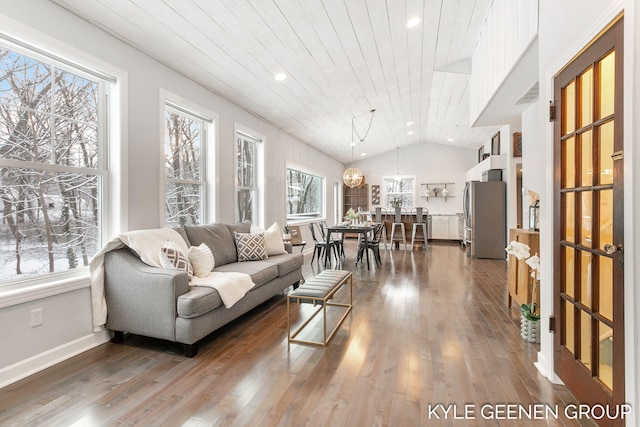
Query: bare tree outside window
x,y
51,173
183,168
304,195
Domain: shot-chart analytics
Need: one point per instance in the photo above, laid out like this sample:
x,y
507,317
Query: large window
x,y
400,192
184,149
248,166
53,176
304,195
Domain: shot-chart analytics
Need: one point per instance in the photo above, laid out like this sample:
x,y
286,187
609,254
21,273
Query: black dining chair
x,y
373,245
338,242
321,246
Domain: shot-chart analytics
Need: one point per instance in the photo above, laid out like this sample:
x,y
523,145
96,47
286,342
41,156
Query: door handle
x,y
610,249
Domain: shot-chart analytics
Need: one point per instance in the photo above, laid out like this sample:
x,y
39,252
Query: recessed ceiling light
x,y
363,154
280,77
409,123
410,132
450,140
352,144
413,22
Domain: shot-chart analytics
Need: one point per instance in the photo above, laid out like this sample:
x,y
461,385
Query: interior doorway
x,y
588,227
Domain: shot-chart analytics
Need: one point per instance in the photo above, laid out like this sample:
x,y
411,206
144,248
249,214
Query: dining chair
x,y
421,224
321,246
338,242
373,245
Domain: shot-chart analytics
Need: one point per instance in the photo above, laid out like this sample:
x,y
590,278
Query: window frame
x,y
388,195
208,155
323,194
112,143
258,173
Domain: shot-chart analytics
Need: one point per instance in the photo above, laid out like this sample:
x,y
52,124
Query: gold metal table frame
x,y
328,283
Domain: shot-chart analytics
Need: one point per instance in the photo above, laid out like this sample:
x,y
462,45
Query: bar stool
x,y
397,222
419,223
378,218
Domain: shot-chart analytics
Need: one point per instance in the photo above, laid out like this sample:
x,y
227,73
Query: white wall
x,y
560,40
533,155
67,327
435,163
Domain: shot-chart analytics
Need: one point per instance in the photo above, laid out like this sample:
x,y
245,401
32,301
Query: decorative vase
x,y
286,237
530,330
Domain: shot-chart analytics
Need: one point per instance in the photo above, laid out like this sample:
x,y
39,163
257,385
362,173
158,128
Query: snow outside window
x,y
53,177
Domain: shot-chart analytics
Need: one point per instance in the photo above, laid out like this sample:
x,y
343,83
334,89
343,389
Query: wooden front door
x,y
588,227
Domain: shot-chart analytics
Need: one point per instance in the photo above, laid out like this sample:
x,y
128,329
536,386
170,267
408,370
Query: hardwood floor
x,y
427,328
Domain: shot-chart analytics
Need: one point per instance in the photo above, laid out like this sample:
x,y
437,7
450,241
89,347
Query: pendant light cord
x,y
368,128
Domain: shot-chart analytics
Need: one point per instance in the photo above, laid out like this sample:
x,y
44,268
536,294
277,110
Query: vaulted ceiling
x,y
342,59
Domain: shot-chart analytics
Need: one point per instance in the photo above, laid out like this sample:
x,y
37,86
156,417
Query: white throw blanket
x,y
230,285
147,244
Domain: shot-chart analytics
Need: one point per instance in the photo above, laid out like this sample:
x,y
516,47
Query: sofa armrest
x,y
141,299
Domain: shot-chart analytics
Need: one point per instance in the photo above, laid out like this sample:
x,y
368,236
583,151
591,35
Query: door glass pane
x,y
586,97
586,202
605,134
586,158
585,338
606,67
585,278
569,327
569,162
569,107
569,271
569,216
606,217
605,287
605,359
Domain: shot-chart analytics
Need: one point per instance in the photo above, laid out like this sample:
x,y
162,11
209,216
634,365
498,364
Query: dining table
x,y
364,229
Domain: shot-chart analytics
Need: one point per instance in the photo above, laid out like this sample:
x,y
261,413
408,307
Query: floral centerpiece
x,y
396,202
352,215
530,316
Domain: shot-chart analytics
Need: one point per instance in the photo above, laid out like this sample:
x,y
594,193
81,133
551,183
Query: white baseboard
x,y
544,369
39,362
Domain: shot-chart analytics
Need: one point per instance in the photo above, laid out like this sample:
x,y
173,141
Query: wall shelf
x,y
435,187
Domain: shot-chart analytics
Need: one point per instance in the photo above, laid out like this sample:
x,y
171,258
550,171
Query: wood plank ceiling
x,y
342,58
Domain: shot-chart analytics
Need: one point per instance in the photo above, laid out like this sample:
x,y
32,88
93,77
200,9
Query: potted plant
x,y
530,317
286,236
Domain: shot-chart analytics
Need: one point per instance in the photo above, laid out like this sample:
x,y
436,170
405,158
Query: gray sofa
x,y
159,303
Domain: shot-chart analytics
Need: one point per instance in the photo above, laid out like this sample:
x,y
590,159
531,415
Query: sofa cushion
x,y
286,263
250,246
260,271
219,239
240,227
198,301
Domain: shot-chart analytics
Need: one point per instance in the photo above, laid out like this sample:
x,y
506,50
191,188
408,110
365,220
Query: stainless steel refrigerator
x,y
485,219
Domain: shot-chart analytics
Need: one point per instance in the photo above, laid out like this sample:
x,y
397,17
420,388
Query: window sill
x,y
24,292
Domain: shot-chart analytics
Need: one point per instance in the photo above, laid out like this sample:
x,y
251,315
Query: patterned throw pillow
x,y
250,246
172,257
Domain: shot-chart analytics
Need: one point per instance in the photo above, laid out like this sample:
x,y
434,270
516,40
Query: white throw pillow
x,y
273,240
171,256
201,258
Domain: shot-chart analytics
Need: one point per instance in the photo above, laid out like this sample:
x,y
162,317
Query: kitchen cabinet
x,y
453,227
520,283
440,227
